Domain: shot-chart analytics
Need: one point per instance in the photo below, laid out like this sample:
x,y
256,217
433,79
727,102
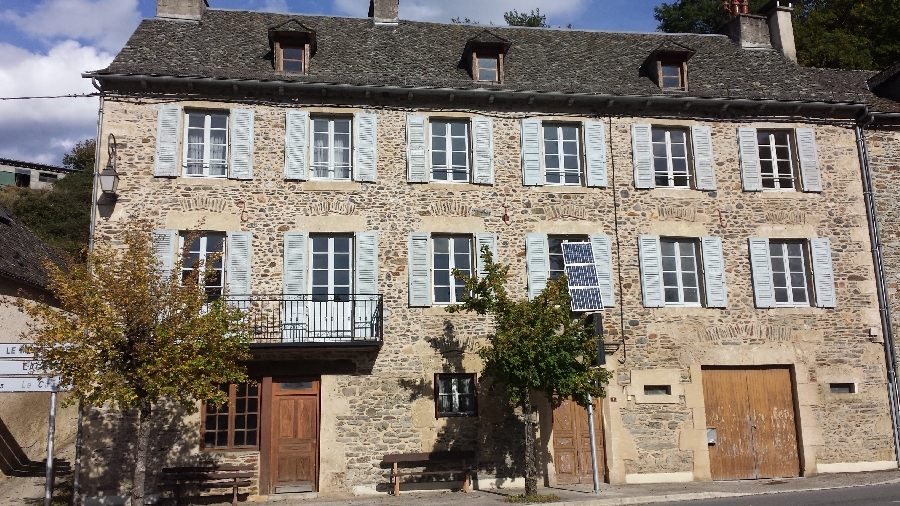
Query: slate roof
x,y
22,253
229,44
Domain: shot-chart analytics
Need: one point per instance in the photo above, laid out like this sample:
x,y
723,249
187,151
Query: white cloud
x,y
41,130
276,6
107,23
442,11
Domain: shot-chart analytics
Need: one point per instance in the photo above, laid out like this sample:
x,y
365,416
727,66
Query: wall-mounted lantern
x,y
109,178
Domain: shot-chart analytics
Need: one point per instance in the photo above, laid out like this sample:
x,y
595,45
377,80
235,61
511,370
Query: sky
x,y
45,45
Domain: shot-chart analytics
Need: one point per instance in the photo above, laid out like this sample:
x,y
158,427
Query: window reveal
x,y
449,151
206,144
670,159
562,156
450,252
236,423
205,251
292,58
789,273
671,75
331,149
455,395
680,272
487,68
776,160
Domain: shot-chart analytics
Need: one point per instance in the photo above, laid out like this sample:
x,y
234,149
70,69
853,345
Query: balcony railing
x,y
313,319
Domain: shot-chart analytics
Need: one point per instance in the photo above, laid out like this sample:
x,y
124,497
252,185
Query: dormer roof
x,y
487,40
292,29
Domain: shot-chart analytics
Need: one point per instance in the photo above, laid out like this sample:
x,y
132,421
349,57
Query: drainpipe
x,y
890,353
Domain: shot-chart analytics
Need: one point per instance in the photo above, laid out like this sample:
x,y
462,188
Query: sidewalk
x,y
581,495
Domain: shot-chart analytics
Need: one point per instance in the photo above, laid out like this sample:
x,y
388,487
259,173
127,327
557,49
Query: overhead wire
x,y
73,95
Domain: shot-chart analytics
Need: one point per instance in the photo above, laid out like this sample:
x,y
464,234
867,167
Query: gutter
x,y
890,353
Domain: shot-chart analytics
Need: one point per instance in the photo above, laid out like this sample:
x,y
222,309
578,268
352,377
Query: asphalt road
x,y
881,495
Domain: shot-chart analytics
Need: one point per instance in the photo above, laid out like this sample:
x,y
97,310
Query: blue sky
x,y
46,44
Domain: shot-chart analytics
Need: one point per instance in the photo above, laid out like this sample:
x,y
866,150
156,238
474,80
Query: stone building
x,y
37,176
345,165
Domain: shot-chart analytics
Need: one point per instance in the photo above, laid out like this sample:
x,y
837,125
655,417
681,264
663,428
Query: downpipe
x,y
890,353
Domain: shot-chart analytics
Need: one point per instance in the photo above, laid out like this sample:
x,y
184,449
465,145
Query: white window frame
x,y
455,394
203,254
670,170
679,271
785,257
313,238
449,152
773,160
207,143
330,167
579,143
452,265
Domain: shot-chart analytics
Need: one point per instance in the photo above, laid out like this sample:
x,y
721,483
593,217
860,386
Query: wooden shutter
x,y
416,148
601,245
704,170
537,263
650,258
294,285
642,155
239,252
419,269
164,242
761,267
168,129
823,275
482,150
595,153
241,145
366,268
810,176
750,174
532,168
365,147
484,239
296,144
714,272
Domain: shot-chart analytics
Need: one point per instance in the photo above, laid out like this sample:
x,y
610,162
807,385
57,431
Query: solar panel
x,y
584,286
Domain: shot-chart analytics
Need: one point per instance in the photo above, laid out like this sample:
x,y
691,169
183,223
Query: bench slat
x,y
205,469
391,475
425,457
209,476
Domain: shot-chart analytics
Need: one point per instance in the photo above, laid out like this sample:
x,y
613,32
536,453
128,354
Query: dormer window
x,y
292,46
671,74
485,53
667,66
293,59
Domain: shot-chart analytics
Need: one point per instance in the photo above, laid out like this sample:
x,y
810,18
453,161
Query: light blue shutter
x,y
419,269
296,142
294,285
750,172
239,253
650,258
642,155
532,168
484,239
537,263
761,267
810,177
168,128
366,281
482,150
823,275
704,171
714,272
595,153
241,145
164,250
365,147
601,245
416,148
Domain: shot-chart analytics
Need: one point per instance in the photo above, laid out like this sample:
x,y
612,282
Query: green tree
x,y
537,345
60,216
130,335
515,18
694,16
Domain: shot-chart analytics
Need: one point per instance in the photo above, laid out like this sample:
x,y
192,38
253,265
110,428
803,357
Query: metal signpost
x,y
19,374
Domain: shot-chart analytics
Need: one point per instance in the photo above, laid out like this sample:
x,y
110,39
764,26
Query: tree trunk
x,y
530,464
140,459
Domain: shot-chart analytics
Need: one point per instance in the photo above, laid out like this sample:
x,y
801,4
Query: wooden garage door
x,y
572,443
752,411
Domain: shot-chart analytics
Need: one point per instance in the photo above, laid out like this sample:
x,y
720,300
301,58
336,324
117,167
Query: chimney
x,y
384,12
781,30
181,9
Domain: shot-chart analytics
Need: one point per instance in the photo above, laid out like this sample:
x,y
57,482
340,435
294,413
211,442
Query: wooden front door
x,y
752,411
294,459
572,443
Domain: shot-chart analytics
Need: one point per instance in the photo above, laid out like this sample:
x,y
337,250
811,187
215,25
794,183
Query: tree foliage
x,y
60,216
127,335
535,18
845,34
537,345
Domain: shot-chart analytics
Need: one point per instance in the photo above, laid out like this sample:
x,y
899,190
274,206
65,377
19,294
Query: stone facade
x,y
382,401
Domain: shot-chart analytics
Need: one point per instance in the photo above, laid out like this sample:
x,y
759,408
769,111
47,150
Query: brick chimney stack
x,y
384,12
181,9
781,29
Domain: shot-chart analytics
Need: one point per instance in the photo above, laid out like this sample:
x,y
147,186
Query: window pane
x,y
292,53
487,75
487,63
292,65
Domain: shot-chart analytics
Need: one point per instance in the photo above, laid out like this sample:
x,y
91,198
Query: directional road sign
x,y
28,384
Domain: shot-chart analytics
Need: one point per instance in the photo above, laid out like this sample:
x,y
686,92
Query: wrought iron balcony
x,y
321,320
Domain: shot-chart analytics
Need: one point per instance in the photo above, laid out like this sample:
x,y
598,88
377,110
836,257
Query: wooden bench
x,y
209,477
404,458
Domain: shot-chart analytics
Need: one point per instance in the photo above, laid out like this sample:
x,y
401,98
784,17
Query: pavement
x,y
582,495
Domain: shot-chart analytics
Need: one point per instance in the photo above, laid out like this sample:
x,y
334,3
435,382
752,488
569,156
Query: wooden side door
x,y
294,459
572,443
728,411
772,423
